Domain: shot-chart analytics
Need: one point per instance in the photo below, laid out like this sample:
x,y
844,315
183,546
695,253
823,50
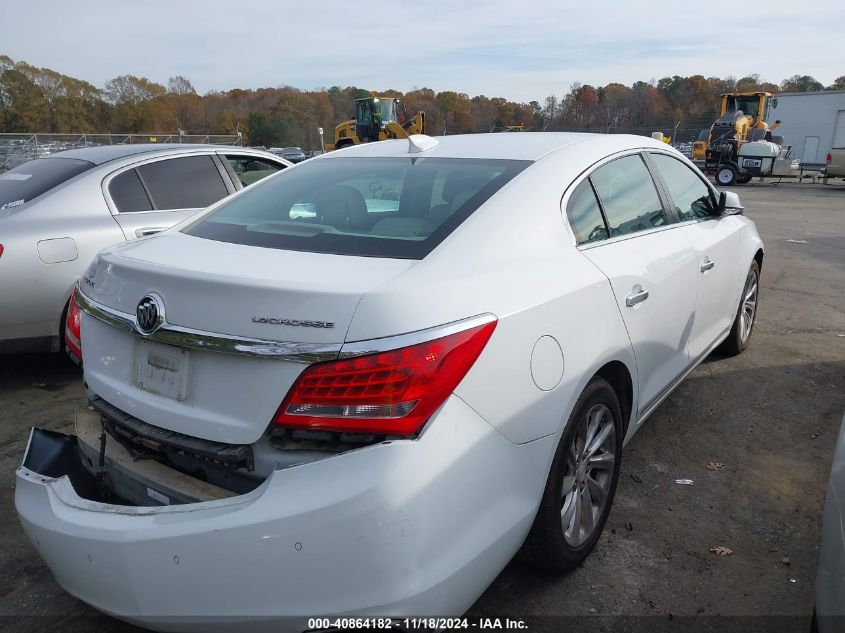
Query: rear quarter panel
x,y
35,293
836,168
514,258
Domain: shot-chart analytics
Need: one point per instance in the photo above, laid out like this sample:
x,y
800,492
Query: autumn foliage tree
x,y
43,100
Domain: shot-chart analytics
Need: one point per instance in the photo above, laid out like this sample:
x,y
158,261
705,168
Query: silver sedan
x,y
56,213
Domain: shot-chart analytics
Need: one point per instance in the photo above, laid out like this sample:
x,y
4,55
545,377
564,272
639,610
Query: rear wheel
x,y
62,325
581,483
743,326
726,175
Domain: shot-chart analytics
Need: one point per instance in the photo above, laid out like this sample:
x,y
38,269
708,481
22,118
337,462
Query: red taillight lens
x,y
1,250
389,393
73,336
828,160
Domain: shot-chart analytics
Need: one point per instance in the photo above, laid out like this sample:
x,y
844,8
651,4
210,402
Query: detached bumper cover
x,y
400,528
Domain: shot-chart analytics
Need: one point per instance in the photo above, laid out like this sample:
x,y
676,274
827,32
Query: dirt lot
x,y
770,416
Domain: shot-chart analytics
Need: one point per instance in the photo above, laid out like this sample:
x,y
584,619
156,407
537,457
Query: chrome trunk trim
x,y
190,338
307,353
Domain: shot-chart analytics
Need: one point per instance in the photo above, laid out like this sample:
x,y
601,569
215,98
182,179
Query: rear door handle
x,y
706,265
636,297
148,231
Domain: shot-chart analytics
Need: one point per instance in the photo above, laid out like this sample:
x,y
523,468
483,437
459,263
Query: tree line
x,y
44,100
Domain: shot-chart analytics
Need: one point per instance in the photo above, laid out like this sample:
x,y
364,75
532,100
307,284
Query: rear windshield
x,y
25,182
378,207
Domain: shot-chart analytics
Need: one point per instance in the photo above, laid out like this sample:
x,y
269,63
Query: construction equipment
x,y
699,146
377,119
742,119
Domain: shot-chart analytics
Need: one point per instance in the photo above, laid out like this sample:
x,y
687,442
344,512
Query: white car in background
x,y
57,212
370,408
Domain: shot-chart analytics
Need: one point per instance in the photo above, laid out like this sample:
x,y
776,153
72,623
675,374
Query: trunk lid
x,y
225,289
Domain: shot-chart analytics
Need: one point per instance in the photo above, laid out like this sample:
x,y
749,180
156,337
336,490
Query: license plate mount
x,y
163,370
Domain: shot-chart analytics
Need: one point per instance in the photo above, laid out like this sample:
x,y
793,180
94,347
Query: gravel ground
x,y
769,416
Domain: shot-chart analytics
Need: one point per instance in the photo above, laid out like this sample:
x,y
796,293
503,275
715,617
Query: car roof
x,y
514,146
106,153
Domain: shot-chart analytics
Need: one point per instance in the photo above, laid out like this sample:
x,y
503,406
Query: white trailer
x,y
811,122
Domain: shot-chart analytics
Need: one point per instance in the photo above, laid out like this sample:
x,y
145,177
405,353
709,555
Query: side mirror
x,y
729,203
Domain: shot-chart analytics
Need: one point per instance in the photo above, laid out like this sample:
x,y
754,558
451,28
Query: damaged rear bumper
x,y
395,529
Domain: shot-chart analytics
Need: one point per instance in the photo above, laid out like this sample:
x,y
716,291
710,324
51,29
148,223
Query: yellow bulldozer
x,y
377,119
742,119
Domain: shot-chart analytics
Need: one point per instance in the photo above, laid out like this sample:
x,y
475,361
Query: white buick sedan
x,y
364,384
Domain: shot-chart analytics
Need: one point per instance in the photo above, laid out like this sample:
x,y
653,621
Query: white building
x,y
812,122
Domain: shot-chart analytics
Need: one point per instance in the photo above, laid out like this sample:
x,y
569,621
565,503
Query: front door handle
x,y
150,230
706,265
638,296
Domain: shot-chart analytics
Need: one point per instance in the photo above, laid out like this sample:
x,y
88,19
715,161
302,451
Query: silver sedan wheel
x,y
749,306
588,474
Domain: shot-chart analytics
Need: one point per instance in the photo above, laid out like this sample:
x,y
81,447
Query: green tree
x,y
801,83
136,104
273,131
838,84
23,107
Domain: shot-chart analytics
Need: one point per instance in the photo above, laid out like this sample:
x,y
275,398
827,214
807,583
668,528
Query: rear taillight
x,y
1,250
828,160
73,335
388,393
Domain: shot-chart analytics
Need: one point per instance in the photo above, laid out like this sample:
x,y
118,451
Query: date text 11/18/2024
x,y
430,623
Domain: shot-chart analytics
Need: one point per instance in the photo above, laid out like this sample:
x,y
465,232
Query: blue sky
x,y
520,51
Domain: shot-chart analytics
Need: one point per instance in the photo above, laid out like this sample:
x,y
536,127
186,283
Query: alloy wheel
x,y
749,306
588,475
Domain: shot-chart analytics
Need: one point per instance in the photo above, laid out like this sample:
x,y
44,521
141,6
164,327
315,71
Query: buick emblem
x,y
150,313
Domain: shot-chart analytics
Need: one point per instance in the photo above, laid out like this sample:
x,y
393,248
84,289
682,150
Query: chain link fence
x,y
16,149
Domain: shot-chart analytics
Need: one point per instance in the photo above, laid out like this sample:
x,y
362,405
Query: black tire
x,y
738,339
546,546
725,175
62,325
741,180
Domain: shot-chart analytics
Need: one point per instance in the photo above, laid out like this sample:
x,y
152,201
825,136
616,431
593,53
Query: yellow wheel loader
x,y
377,119
742,119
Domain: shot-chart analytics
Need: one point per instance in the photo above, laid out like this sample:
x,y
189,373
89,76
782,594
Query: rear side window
x,y
628,196
28,181
191,182
690,196
584,215
378,207
128,193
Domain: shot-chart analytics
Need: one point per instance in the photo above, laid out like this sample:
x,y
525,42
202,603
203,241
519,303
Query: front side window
x,y
250,170
691,198
189,182
585,216
628,196
378,207
28,181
